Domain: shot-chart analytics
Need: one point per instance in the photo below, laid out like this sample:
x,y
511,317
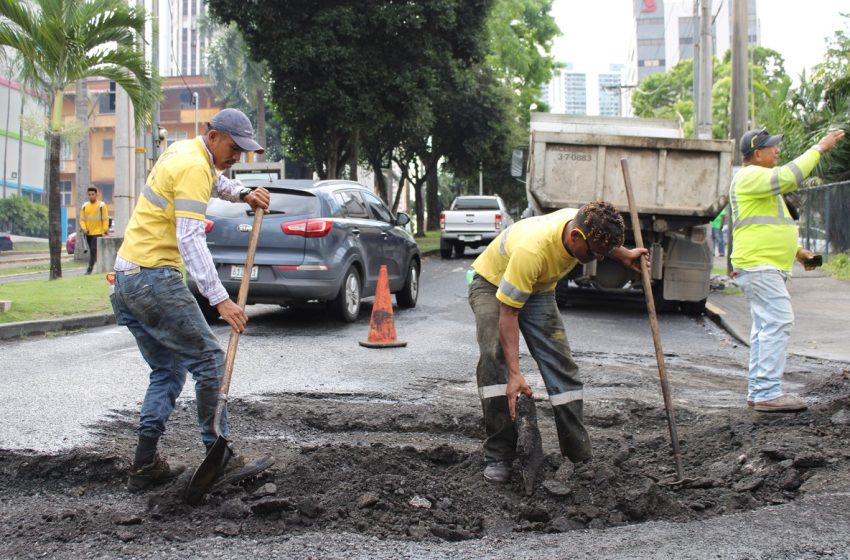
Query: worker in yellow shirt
x,y
513,291
94,221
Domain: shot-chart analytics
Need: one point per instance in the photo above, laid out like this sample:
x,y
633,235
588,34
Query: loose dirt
x,y
391,469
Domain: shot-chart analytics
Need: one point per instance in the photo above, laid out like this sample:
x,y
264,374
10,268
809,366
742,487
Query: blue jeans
x,y
719,240
543,331
174,338
770,308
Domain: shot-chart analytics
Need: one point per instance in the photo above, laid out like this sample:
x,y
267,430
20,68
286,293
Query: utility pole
x,y
706,78
480,179
696,59
139,138
155,64
740,57
123,150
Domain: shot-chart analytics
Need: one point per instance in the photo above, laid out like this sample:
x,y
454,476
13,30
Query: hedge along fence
x,y
22,216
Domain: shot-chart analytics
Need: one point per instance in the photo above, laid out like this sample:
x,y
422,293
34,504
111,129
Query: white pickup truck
x,y
472,221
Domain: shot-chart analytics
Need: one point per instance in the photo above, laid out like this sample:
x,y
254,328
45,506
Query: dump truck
x,y
679,186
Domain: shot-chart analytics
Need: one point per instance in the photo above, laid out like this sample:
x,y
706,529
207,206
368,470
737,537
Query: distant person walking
x,y
764,246
513,291
94,222
718,233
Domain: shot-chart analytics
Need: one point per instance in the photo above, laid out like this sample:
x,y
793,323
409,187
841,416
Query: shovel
x,y
220,452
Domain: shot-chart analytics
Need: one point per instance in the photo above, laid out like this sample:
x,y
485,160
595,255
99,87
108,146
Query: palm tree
x,y
62,41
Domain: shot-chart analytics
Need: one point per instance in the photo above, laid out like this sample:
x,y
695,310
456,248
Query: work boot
x,y
784,403
497,471
156,473
239,467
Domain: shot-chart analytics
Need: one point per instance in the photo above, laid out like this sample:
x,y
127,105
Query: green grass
x,y
838,266
430,242
40,267
46,299
29,247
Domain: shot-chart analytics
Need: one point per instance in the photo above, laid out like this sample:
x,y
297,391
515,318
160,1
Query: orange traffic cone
x,y
382,327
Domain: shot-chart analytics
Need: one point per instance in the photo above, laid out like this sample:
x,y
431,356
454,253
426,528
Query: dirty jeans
x,y
174,339
543,330
770,308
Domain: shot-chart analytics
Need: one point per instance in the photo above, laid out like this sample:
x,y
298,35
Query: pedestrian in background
x,y
513,291
764,247
94,221
165,232
718,235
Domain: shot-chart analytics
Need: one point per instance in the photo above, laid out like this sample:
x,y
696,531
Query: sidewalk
x,y
821,310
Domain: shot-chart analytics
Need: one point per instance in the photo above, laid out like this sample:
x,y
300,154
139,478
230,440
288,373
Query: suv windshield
x,y
292,203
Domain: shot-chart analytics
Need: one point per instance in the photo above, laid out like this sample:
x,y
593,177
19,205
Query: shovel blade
x,y
529,444
209,470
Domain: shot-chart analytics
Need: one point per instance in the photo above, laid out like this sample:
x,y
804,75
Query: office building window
x,y
106,191
106,101
65,193
107,147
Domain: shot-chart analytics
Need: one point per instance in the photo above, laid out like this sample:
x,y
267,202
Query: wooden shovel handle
x,y
230,358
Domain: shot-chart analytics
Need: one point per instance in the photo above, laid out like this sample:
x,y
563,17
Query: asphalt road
x,y
56,388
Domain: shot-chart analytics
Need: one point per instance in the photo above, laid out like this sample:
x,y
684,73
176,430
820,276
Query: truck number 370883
x,y
563,156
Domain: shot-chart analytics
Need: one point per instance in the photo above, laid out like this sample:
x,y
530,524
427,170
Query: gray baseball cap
x,y
236,124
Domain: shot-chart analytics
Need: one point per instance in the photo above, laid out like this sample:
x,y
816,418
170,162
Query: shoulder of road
x,y
821,307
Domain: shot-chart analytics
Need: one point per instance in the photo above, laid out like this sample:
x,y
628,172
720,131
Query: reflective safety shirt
x,y
527,258
94,218
763,232
180,184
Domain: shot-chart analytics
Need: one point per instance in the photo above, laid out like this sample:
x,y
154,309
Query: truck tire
x,y
445,250
460,248
693,307
408,295
346,305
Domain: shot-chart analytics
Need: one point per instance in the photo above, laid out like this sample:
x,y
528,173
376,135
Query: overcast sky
x,y
596,32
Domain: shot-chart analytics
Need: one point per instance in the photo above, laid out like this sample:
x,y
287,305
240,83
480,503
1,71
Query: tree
x,y
62,41
238,80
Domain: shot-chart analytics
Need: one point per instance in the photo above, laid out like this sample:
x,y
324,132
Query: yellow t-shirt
x,y
94,218
180,184
527,258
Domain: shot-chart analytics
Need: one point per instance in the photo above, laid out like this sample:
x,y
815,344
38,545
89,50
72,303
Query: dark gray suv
x,y
321,240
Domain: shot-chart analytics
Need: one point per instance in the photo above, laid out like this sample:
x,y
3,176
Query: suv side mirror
x,y
402,219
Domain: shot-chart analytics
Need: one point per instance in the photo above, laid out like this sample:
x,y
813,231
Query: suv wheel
x,y
408,295
445,250
347,302
209,312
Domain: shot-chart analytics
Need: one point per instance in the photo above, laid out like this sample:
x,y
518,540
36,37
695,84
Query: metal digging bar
x,y
653,323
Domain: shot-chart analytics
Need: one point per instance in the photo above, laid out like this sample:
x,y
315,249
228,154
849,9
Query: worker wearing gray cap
x,y
150,297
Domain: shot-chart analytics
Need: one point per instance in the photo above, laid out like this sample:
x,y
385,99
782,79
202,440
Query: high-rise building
x,y
575,92
610,91
182,46
552,92
665,32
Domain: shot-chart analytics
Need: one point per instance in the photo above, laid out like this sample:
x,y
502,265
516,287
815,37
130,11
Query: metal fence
x,y
825,219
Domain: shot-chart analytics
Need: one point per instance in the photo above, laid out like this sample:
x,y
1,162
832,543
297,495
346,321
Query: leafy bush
x,y
22,216
839,266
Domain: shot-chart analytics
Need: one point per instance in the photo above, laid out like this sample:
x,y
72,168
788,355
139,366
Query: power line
x,y
173,48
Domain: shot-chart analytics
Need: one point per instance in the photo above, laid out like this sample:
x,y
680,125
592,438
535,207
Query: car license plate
x,y
236,272
470,238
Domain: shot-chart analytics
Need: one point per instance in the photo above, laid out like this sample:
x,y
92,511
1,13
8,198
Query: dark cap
x,y
756,140
236,124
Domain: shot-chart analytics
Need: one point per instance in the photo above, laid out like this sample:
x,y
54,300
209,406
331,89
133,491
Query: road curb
x,y
22,329
718,315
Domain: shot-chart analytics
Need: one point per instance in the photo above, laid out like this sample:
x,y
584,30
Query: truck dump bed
x,y
575,160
